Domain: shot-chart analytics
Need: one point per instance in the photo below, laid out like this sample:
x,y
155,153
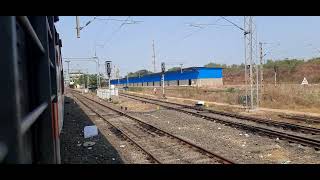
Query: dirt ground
x,y
283,97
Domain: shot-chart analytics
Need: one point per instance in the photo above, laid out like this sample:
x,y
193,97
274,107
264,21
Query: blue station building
x,y
192,76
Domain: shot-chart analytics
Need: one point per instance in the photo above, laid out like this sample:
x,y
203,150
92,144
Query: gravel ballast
x,y
72,140
235,144
109,148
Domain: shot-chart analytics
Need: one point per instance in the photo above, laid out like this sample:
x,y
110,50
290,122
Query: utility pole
x,y
261,72
163,70
117,74
181,67
154,58
78,26
68,71
128,80
251,60
251,70
261,65
98,73
87,79
275,75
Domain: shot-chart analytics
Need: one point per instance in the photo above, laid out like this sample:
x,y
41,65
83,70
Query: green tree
x,y
140,72
211,65
174,69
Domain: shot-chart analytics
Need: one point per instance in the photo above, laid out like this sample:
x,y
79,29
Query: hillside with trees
x,y
139,73
288,71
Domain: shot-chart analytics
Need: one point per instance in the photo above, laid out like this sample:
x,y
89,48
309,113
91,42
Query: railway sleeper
x,y
205,161
230,115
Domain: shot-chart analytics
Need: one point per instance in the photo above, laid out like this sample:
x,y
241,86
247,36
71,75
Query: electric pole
x,y
251,69
154,58
275,75
261,72
261,64
117,74
87,79
163,70
98,72
78,26
68,72
128,80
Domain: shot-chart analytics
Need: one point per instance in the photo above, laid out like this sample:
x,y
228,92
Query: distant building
x,y
193,76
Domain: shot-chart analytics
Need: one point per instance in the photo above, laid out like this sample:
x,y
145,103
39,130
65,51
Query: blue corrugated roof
x,y
187,73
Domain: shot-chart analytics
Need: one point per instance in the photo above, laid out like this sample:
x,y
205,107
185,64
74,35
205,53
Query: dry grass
x,y
292,96
284,96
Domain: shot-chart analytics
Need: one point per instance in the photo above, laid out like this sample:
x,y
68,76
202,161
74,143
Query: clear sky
x,y
130,47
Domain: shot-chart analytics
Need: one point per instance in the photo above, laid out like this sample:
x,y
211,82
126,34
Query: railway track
x,y
284,125
207,114
159,145
308,119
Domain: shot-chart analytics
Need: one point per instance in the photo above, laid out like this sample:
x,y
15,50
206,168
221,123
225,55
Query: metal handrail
x,y
32,117
49,30
52,97
3,151
28,27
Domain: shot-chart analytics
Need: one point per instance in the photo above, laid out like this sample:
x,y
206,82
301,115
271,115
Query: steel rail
x,y
291,138
291,126
207,152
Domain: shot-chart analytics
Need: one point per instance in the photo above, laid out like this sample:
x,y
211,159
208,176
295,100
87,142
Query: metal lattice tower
x,y
118,74
251,63
154,58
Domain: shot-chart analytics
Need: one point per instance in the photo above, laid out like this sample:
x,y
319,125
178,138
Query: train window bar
x,y
51,64
28,27
53,97
3,151
32,117
49,30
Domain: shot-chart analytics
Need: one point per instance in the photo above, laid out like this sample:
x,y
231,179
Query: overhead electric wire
x,y
114,32
198,26
270,48
96,36
88,23
111,19
233,24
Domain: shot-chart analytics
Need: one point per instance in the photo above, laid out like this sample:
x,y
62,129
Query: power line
x,y
198,26
120,20
208,24
88,23
100,29
233,24
114,32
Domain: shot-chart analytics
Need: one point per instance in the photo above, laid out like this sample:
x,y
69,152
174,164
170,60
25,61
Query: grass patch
x,y
135,89
231,90
115,102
